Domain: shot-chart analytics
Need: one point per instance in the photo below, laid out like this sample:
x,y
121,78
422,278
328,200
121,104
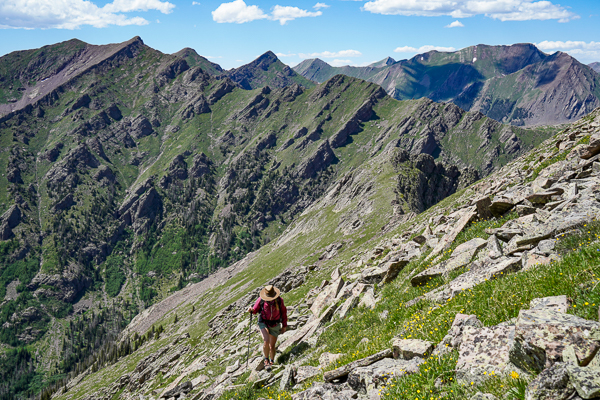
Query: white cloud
x,y
318,6
332,54
284,55
287,13
139,5
577,48
455,24
339,63
237,12
72,14
503,10
212,57
195,3
422,49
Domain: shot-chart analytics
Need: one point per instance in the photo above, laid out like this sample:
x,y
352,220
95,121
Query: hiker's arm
x,y
256,308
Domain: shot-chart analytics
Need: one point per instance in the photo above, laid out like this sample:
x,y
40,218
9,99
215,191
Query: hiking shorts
x,y
273,330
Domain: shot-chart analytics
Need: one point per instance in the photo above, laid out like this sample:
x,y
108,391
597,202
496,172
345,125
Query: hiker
x,y
272,320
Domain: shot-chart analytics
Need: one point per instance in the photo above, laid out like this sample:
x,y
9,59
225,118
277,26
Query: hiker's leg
x,y
266,341
272,342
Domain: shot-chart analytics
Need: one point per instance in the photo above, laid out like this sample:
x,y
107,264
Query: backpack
x,y
269,321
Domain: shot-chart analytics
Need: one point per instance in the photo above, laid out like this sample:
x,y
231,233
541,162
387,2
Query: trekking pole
x,y
249,333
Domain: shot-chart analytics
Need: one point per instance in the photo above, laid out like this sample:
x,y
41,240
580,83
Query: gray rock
x,y
327,359
348,305
585,380
12,216
326,391
306,372
553,330
546,246
326,297
368,300
393,268
483,396
483,350
551,384
374,376
408,349
287,378
493,248
372,275
557,303
500,207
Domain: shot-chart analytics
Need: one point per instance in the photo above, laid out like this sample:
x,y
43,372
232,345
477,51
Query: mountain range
x,y
517,84
128,175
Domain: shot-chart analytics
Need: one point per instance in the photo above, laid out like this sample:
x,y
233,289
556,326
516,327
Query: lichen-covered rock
x,y
374,376
326,391
585,380
483,396
306,372
484,350
551,384
408,349
553,331
326,297
556,303
453,339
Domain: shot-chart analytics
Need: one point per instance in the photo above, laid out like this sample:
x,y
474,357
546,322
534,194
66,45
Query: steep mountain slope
x,y
595,66
319,71
465,297
515,84
193,59
137,175
267,70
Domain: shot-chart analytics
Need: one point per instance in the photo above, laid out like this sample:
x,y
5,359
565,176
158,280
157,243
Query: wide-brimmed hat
x,y
269,293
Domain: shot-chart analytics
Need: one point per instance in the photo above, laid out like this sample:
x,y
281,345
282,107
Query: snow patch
x,y
474,59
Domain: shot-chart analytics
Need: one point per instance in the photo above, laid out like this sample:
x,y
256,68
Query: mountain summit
x,y
267,70
517,84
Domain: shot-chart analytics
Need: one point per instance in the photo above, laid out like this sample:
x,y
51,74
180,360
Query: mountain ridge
x,y
482,78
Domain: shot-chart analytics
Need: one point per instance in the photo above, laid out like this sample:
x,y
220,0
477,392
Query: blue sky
x,y
232,33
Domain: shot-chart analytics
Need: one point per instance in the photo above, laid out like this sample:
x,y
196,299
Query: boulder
x,y
348,305
368,300
493,248
287,378
326,297
484,350
327,359
363,362
372,275
483,205
483,396
552,331
466,217
591,149
500,206
326,391
453,338
551,384
585,380
393,268
556,303
376,375
12,216
306,372
408,349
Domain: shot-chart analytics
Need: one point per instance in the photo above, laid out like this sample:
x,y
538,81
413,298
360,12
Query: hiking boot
x,y
267,364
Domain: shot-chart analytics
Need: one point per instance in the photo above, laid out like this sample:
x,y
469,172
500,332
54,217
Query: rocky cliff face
x,y
488,79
